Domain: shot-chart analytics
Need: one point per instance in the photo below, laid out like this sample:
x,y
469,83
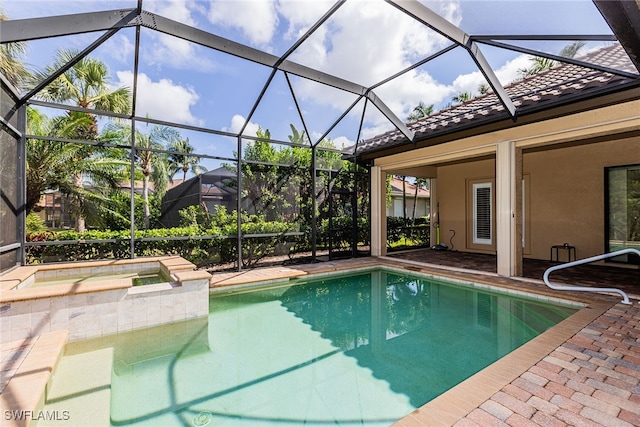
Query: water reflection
x,y
420,335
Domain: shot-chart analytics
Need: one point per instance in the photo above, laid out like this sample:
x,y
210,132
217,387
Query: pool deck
x,y
584,371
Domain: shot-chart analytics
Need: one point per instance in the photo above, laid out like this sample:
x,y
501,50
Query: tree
x,y
149,162
420,183
296,136
420,111
85,85
540,64
11,65
55,165
462,97
572,50
181,160
484,88
264,180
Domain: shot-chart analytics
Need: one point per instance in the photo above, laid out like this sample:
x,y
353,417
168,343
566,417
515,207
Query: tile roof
x,y
396,188
540,91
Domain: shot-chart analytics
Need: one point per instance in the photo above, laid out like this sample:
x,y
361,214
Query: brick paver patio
x,y
593,379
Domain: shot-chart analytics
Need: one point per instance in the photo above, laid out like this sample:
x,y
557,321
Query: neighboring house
x,y
395,206
565,170
53,210
212,188
53,207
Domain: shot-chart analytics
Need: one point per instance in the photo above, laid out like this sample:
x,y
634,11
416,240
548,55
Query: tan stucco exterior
x,y
561,161
568,194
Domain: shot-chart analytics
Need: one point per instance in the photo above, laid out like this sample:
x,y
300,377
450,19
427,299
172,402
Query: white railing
x,y
625,297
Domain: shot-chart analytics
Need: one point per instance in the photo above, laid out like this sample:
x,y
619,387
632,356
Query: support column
x,y
378,212
509,209
433,210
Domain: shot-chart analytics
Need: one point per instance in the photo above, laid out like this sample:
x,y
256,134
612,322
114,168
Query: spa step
x,y
25,392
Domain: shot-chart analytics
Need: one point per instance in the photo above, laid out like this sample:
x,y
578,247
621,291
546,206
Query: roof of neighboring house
x,y
396,188
560,84
212,183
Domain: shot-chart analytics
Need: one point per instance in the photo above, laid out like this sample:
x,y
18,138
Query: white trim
x,y
476,239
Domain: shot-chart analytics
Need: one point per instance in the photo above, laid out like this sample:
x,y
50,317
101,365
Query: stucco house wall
x,y
452,197
568,194
564,197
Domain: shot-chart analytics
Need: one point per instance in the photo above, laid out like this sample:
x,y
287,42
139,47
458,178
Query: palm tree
x,y
572,50
420,111
461,97
11,64
85,85
150,163
181,160
56,165
540,64
484,88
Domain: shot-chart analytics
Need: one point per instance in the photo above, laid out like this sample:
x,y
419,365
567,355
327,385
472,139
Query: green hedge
x,y
197,245
417,231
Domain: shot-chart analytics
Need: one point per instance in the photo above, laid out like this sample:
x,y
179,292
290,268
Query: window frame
x,y
474,206
622,259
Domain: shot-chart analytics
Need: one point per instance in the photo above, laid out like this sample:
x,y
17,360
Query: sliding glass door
x,y
623,211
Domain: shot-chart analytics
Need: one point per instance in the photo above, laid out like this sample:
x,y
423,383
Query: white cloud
x,y
121,48
341,142
238,121
177,10
506,75
176,53
301,14
163,99
257,19
383,42
168,50
403,94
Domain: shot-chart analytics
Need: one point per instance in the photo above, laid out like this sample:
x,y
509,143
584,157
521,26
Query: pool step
x,y
80,392
24,395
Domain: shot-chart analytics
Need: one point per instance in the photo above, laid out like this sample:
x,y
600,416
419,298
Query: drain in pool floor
x,y
202,419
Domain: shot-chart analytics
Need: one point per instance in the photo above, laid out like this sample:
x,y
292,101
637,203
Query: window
x,y
482,214
623,211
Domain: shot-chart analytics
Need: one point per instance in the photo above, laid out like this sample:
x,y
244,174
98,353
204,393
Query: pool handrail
x,y
625,297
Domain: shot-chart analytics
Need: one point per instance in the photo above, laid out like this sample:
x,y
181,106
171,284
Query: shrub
x,y
198,245
35,224
417,231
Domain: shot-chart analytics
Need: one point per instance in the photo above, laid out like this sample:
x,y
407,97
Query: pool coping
x,y
173,265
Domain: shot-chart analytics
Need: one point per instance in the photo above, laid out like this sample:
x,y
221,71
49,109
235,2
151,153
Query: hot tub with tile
x,y
96,298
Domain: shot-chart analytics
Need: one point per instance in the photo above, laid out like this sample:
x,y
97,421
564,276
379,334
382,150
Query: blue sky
x,y
364,42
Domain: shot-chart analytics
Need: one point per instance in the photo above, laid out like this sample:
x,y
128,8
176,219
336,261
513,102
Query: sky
x,y
365,41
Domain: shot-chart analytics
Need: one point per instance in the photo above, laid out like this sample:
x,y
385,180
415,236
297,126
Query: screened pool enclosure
x,y
230,132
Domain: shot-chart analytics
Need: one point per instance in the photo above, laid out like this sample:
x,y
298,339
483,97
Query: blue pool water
x,y
363,349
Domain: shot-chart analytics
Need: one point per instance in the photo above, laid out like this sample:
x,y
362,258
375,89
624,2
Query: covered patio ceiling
x,y
342,92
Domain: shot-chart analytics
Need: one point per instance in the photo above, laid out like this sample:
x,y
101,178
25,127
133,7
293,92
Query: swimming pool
x,y
364,348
